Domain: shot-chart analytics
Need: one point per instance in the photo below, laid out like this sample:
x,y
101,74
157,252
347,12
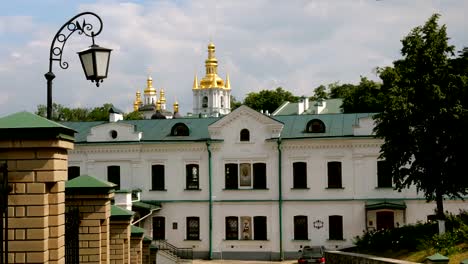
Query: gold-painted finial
x,y
228,82
211,79
149,87
137,102
162,97
176,107
195,83
158,105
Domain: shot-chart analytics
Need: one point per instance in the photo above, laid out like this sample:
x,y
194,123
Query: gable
x,y
245,117
109,132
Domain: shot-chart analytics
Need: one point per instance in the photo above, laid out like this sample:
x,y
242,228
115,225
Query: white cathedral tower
x,y
211,97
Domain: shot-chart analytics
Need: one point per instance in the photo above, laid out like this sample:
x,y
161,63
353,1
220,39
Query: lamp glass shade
x,y
87,62
95,62
102,63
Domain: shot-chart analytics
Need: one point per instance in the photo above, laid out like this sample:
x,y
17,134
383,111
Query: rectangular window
x,y
159,228
73,172
259,176
192,176
299,175
384,175
300,228
113,175
231,176
246,227
232,228
245,175
334,174
193,228
157,177
260,228
335,230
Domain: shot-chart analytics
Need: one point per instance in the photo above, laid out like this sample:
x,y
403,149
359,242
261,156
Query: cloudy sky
x,y
261,44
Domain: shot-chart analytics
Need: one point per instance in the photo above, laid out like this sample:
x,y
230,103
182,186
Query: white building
x,y
251,186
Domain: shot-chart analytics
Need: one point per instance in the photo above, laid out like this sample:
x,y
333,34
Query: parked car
x,y
315,254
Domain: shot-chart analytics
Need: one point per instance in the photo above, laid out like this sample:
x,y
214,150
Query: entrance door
x,y
385,220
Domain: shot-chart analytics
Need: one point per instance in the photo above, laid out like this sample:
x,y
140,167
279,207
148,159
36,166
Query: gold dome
x,y
211,79
150,90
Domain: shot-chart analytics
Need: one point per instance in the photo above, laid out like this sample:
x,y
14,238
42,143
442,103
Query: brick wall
x,y
120,241
37,171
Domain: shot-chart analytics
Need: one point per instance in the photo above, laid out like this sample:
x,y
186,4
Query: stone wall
x,y
338,257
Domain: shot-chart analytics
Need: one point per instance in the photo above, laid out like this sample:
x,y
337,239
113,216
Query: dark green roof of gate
x,y
31,126
156,130
120,213
85,184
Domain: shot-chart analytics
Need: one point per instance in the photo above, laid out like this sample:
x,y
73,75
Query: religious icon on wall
x,y
245,175
246,227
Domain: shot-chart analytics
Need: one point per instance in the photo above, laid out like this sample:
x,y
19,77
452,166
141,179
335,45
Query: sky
x,y
261,44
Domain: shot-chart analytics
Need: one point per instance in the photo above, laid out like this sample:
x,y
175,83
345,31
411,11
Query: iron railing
x,y
4,190
182,253
72,233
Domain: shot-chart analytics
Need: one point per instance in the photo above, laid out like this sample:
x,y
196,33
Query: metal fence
x,y
4,191
72,233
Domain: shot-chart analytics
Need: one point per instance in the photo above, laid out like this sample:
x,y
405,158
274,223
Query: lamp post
x,y
95,59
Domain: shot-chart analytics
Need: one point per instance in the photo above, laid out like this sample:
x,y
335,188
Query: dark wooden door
x,y
385,220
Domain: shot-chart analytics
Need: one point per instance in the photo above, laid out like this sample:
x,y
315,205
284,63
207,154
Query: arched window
x,y
205,101
179,129
315,126
244,135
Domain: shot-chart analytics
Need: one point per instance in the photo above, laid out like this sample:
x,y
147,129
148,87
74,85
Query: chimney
x,y
115,115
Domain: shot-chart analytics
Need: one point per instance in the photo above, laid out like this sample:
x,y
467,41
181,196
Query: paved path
x,y
198,261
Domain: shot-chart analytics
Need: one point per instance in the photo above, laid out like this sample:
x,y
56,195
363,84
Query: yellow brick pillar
x,y
93,198
35,150
136,245
146,250
120,235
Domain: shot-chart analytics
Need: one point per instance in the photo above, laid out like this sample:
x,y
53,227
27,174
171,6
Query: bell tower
x,y
211,96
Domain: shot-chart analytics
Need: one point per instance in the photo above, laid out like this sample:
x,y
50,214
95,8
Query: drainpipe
x,y
280,200
208,143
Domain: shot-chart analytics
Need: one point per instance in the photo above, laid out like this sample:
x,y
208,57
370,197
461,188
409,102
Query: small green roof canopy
x,y
120,213
438,258
26,125
137,231
377,205
86,184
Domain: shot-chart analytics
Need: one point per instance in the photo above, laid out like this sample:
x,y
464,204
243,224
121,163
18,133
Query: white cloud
x,y
262,44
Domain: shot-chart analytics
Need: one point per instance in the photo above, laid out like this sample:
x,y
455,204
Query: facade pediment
x,y
113,132
242,115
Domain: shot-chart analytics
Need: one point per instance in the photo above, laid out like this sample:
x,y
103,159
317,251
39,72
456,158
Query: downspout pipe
x,y
208,144
280,200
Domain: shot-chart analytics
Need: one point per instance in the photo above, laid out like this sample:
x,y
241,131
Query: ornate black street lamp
x,y
95,59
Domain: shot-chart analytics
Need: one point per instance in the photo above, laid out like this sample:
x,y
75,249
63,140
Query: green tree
x,y
424,118
135,115
100,113
320,93
340,90
234,103
269,100
62,113
366,97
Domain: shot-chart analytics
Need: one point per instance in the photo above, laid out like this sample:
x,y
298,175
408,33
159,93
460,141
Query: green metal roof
x,y
336,125
376,205
86,181
332,106
146,206
136,231
120,213
29,125
438,258
159,130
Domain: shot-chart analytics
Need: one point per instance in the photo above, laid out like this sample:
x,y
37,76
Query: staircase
x,y
173,254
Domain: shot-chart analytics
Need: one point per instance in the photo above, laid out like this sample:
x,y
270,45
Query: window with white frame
x,y
192,176
245,175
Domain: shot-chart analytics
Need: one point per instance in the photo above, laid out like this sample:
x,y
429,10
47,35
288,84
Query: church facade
x,y
250,186
246,185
